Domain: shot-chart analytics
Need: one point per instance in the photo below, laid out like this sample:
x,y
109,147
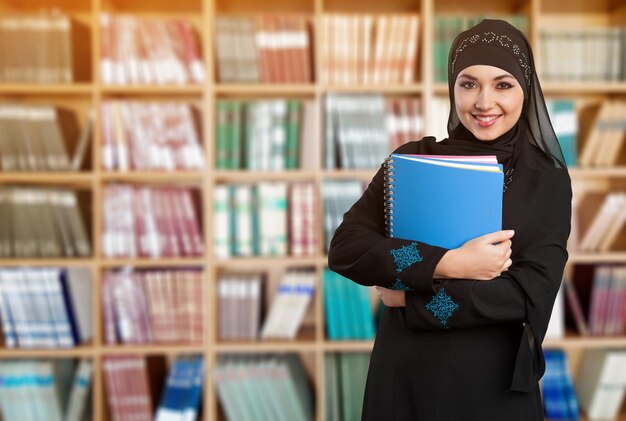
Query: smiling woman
x,y
461,333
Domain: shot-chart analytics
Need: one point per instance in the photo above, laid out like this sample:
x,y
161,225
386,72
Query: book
x,y
448,187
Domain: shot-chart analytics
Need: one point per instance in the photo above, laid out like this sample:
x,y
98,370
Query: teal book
x,y
442,201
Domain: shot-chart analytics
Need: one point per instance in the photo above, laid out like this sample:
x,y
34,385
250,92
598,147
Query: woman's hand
x,y
481,260
391,297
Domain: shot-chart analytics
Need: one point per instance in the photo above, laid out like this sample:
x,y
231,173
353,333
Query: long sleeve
x,y
524,293
361,251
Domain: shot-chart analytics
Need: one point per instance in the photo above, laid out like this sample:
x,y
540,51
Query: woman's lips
x,y
485,121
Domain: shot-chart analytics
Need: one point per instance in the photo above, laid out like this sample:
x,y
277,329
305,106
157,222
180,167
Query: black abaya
x,y
481,360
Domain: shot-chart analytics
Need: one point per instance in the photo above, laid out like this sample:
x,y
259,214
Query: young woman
x,y
461,334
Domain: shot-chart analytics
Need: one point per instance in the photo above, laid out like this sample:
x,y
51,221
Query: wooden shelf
x,y
78,352
151,90
74,179
265,89
255,347
237,176
260,262
44,262
193,177
597,172
151,349
612,257
157,262
415,88
46,89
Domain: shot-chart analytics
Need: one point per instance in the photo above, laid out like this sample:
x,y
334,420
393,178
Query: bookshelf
x,y
88,92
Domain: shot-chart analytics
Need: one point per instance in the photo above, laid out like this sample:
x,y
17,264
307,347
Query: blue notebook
x,y
442,202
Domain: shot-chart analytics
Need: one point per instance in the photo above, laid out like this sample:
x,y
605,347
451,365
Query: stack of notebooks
x,y
471,183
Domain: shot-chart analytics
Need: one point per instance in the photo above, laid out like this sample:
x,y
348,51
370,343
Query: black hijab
x,y
498,43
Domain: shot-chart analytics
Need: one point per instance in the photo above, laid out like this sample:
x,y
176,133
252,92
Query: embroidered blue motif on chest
x,y
399,285
405,256
442,306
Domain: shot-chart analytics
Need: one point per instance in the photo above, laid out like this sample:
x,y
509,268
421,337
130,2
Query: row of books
x,y
557,388
41,222
36,138
33,390
601,383
148,51
264,219
338,196
583,54
368,49
45,307
146,221
241,305
361,130
150,135
598,228
264,135
596,298
605,141
133,386
153,306
254,387
345,377
348,309
36,48
598,388
448,27
269,48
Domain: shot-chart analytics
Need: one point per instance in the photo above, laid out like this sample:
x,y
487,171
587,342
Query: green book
x,y
221,135
235,132
293,134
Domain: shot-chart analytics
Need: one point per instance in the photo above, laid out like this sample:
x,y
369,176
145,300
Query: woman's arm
x,y
529,286
361,251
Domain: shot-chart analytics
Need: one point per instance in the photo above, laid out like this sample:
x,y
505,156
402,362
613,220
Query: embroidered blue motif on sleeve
x,y
442,306
399,285
405,256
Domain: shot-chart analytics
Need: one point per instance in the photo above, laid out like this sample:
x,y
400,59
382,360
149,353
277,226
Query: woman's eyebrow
x,y
470,77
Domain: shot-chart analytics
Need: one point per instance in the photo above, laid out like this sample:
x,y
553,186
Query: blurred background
x,y
171,173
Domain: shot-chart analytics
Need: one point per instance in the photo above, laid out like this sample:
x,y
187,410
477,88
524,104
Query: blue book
x,y
442,202
177,387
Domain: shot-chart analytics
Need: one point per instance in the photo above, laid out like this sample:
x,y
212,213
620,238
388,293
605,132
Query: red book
x,y
192,56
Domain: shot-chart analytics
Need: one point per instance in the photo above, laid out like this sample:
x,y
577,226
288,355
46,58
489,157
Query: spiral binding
x,y
388,195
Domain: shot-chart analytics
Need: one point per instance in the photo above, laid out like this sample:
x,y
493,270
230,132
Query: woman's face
x,y
488,100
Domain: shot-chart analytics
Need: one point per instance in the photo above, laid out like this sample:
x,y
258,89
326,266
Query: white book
x,y
221,222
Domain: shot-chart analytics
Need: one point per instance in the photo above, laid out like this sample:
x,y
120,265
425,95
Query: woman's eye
x,y
504,85
467,85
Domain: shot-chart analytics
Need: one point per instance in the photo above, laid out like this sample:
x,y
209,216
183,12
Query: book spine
x,y
388,195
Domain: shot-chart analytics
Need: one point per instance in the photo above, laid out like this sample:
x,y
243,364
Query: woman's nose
x,y
485,100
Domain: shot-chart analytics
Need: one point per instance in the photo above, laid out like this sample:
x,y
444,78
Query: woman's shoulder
x,y
556,179
414,146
